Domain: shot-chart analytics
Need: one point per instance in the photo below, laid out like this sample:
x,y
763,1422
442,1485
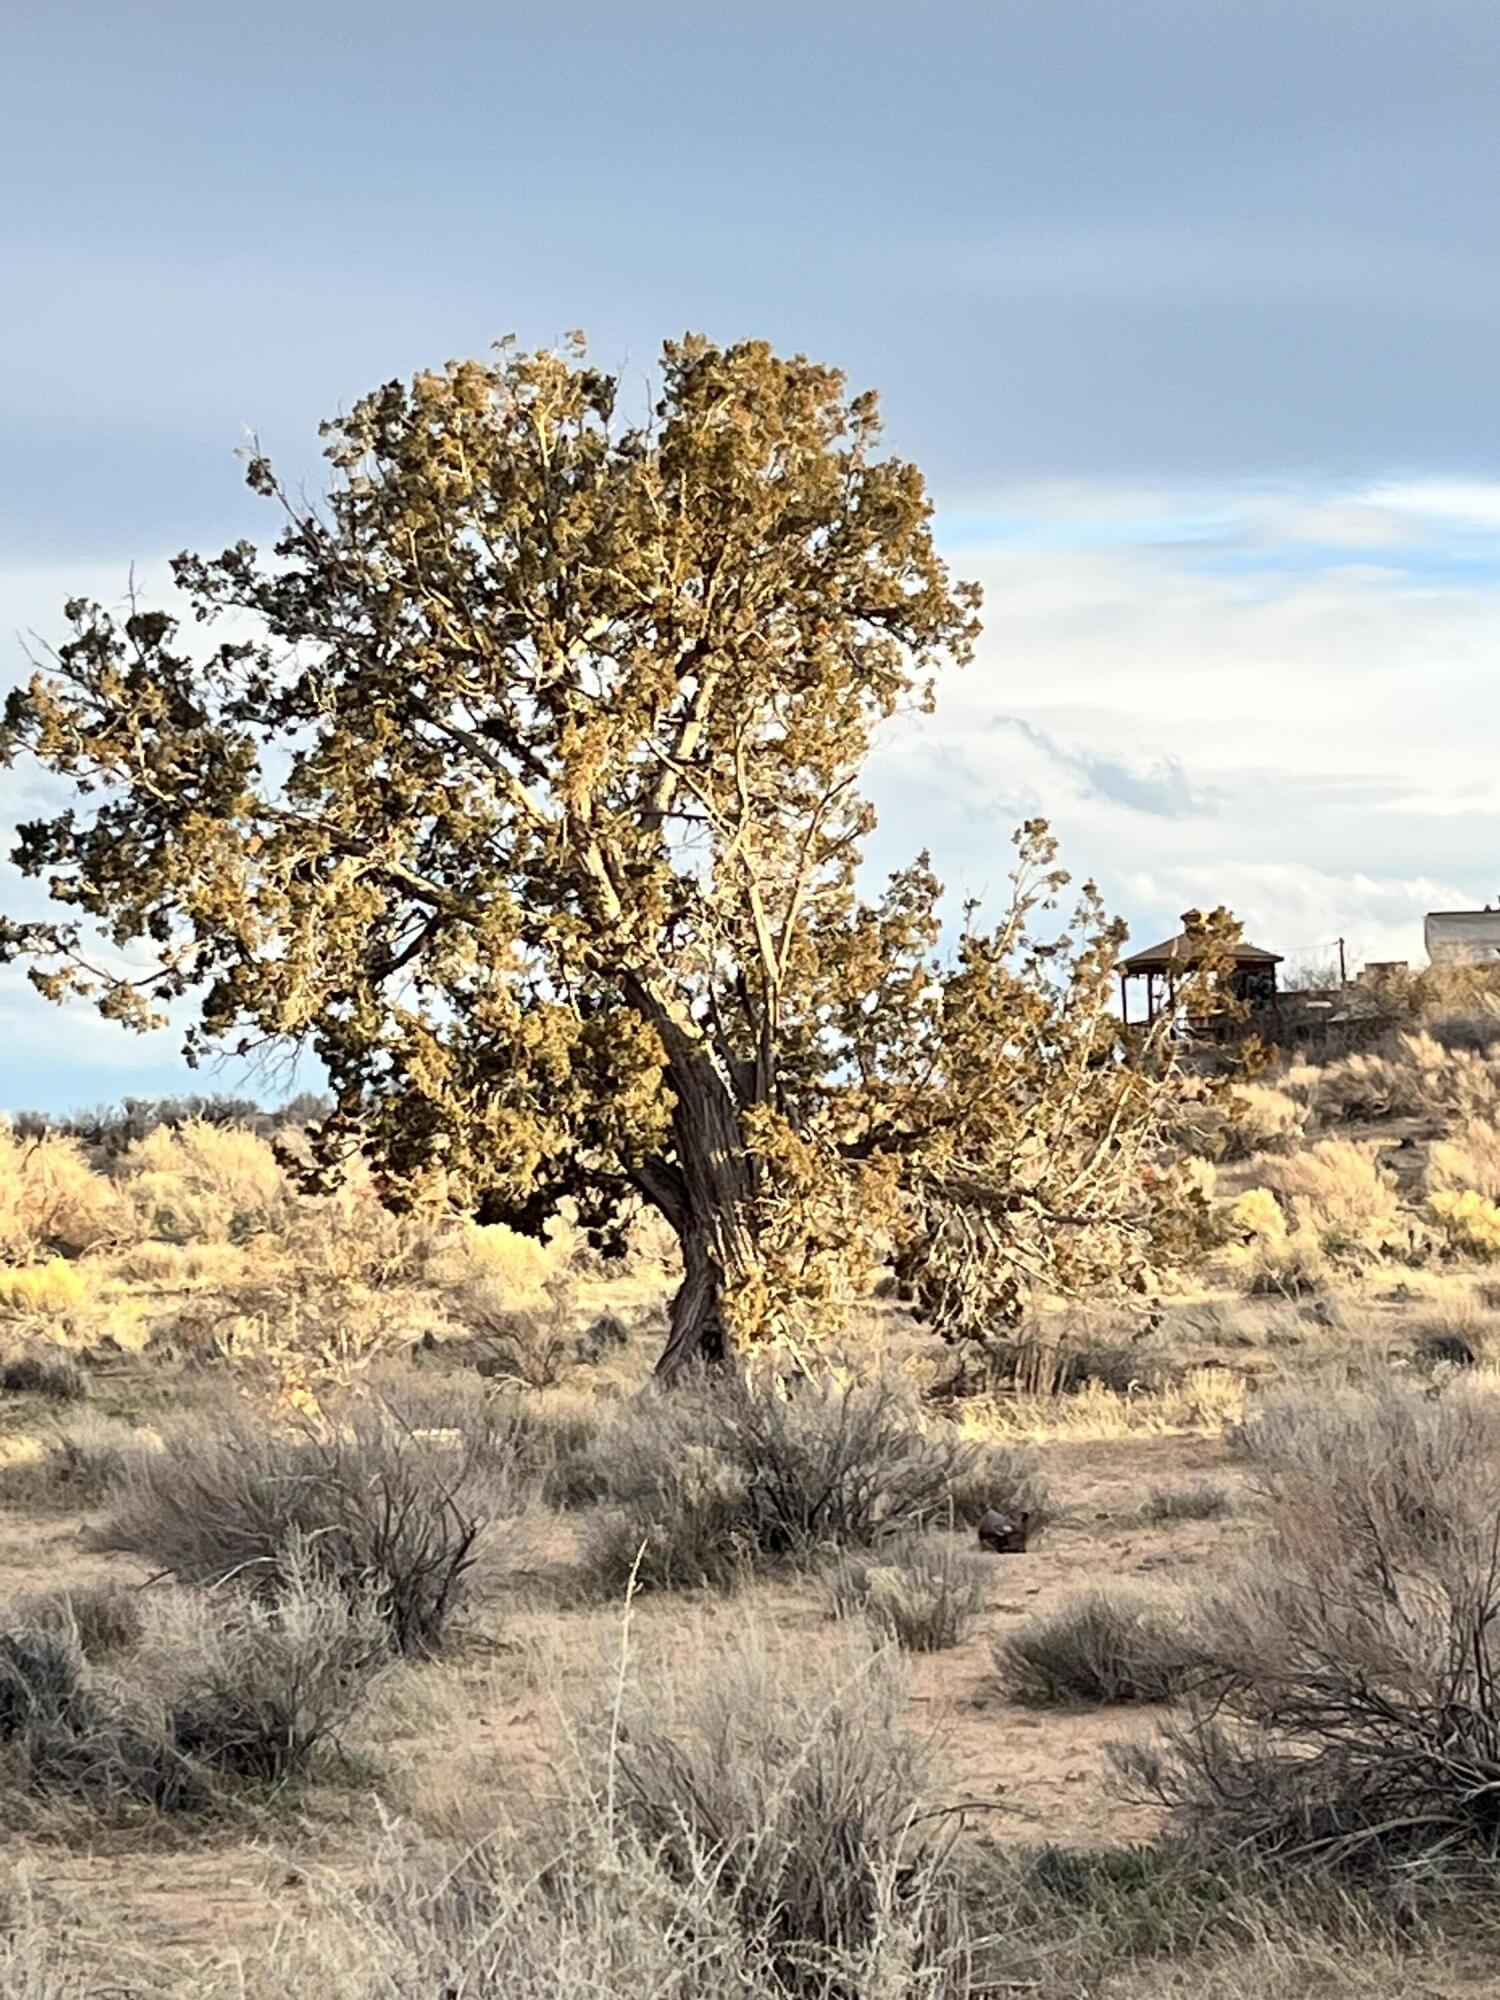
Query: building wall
x,y
1462,937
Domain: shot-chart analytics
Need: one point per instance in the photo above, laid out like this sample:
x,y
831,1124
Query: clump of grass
x,y
203,1182
1337,1191
1206,1400
104,1619
919,1591
380,1509
749,1471
1468,1222
518,1443
1042,1362
256,1687
75,1465
57,1377
1102,1647
798,1793
51,1200
1193,1500
42,1291
213,1693
1260,1119
63,1738
1466,1161
1460,1336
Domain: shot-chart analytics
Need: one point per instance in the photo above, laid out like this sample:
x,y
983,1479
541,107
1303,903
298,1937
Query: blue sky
x,y
1189,311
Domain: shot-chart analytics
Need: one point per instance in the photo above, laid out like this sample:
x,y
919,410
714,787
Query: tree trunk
x,y
714,1227
697,1331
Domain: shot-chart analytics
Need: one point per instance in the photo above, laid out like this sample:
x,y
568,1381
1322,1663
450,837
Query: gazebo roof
x,y
1186,949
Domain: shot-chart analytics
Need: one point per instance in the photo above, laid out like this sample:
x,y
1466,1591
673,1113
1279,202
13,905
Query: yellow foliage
x,y
1337,1193
1467,1162
50,1288
1469,1221
51,1199
519,1267
1205,1400
205,1183
1258,1213
1280,1256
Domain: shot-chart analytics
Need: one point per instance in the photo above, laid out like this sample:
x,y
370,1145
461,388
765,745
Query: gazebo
x,y
1251,979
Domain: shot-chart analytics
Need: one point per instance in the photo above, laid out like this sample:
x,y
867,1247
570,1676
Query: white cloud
x,y
1228,717
1472,503
1201,689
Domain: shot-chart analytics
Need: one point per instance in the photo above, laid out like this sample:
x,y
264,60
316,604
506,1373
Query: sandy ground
x,y
480,1736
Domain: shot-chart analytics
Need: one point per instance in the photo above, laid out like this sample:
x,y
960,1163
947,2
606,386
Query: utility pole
x,y
1343,969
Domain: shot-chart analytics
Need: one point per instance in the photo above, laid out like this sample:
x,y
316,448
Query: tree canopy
x,y
520,782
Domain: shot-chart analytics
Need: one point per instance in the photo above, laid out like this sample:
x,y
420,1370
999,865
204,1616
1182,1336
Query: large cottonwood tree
x,y
520,782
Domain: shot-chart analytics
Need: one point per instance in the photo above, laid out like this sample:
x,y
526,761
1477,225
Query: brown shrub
x,y
55,1377
1467,1161
919,1591
750,1470
1336,1191
51,1200
1104,1647
1351,1712
377,1509
799,1794
199,1182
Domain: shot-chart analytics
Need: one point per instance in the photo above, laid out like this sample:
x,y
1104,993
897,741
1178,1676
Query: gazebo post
x,y
1124,997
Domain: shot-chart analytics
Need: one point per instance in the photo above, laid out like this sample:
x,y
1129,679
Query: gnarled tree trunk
x,y
715,1187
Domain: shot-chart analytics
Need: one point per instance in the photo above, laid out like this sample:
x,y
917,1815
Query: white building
x,y
1462,937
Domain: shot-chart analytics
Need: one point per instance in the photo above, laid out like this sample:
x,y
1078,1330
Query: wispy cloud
x,y
1282,698
1162,788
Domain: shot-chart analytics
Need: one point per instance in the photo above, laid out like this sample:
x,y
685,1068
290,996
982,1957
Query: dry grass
x,y
202,1183
102,1619
712,1482
920,1591
604,1922
1204,1401
52,1200
378,1510
1193,1500
42,1291
1337,1190
1353,1706
206,1693
1467,1161
72,1465
1105,1647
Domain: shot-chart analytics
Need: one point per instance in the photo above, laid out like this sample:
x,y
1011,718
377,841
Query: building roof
x,y
1184,949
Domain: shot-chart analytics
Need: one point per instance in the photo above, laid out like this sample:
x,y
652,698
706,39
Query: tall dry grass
x,y
1351,1705
202,1183
52,1201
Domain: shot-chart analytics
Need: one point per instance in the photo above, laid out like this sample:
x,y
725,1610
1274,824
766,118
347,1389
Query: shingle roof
x,y
1184,949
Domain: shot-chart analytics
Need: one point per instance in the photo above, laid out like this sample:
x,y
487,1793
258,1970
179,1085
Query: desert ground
x,y
715,1692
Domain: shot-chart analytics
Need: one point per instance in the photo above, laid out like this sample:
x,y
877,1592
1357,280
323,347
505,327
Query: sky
x,y
1189,312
